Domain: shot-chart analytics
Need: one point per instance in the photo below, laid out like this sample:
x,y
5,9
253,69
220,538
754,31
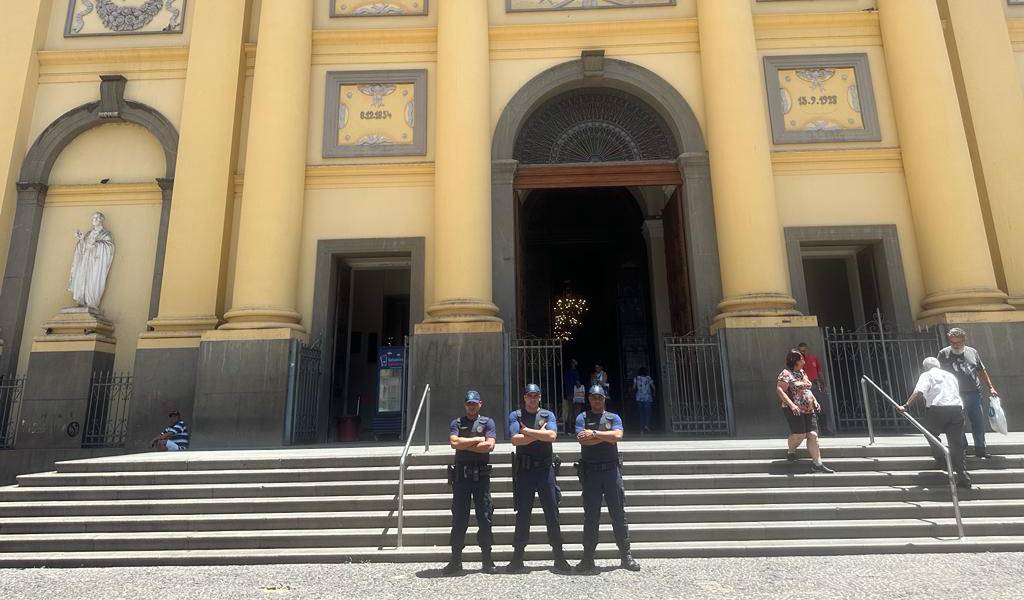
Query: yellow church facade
x,y
341,175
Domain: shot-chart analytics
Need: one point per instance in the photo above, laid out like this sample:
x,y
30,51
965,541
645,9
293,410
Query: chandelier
x,y
568,314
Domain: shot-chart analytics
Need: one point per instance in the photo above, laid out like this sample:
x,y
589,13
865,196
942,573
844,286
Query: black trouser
x,y
606,484
480,492
540,482
948,420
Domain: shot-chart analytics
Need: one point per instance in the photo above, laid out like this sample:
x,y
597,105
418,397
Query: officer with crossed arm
x,y
599,432
472,437
533,430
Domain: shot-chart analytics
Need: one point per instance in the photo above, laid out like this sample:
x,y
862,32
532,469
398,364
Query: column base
x,y
177,332
1017,302
262,317
966,318
728,322
770,305
463,310
978,300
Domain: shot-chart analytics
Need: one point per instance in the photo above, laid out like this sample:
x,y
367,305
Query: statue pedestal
x,y
76,343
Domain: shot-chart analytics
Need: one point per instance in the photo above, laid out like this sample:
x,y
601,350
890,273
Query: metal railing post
x,y
426,429
865,380
425,399
867,409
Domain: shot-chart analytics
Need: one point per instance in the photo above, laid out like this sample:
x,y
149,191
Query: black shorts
x,y
802,423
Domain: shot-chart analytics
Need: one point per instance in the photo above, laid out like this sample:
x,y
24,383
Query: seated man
x,y
174,437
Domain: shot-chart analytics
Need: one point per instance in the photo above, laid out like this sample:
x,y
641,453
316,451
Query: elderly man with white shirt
x,y
944,413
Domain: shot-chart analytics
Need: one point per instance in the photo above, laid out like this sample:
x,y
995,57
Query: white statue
x,y
94,251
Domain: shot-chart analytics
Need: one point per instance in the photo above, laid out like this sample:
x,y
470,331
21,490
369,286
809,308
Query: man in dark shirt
x,y
472,437
965,363
599,432
174,437
533,430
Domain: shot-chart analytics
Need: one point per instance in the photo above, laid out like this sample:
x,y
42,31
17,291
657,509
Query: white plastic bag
x,y
996,416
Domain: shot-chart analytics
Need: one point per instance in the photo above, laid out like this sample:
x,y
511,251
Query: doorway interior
x,y
842,285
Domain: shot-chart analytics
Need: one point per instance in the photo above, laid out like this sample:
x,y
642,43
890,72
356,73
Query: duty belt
x,y
467,472
525,462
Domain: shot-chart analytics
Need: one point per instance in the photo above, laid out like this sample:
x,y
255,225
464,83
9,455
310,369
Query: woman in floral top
x,y
801,410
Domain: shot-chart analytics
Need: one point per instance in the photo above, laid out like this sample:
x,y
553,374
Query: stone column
x,y
955,259
462,184
189,268
266,271
993,103
204,174
242,377
22,32
755,280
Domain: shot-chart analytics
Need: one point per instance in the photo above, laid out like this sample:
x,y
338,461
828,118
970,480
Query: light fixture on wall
x,y
567,314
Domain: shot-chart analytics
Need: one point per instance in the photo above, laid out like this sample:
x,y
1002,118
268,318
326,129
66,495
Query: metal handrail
x,y
865,382
425,399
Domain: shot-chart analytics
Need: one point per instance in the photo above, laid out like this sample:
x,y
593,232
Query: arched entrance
x,y
601,189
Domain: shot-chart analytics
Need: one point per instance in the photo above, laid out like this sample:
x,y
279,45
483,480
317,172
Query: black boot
x,y
454,565
628,562
586,566
487,563
516,566
561,565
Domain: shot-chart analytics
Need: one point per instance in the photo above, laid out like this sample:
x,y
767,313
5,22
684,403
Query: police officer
x,y
598,432
472,437
533,430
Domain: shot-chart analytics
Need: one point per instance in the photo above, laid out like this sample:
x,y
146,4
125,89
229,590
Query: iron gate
x,y
697,389
302,406
892,359
106,415
534,360
11,389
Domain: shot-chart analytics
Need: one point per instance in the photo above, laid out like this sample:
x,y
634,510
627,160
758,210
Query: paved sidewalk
x,y
983,576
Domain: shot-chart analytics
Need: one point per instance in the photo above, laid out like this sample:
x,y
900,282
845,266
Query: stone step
x,y
606,553
503,516
632,451
438,536
938,491
568,484
778,466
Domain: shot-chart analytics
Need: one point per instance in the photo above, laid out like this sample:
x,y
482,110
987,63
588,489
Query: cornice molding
x,y
362,175
837,162
817,30
1016,27
71,66
110,194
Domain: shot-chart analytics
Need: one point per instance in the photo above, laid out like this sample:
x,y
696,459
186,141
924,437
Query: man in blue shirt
x,y
533,430
472,437
599,432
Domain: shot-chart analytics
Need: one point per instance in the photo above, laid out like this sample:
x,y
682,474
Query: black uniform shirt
x,y
466,428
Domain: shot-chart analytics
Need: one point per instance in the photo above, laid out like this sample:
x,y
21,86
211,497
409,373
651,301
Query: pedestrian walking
x,y
643,395
473,437
793,389
965,363
943,414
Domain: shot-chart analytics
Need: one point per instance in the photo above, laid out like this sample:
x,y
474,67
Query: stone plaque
x,y
378,8
375,113
821,98
536,5
124,17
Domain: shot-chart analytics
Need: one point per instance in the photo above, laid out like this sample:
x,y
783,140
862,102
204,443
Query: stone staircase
x,y
693,498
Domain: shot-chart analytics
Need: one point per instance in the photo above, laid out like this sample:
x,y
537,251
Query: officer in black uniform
x,y
598,432
533,430
472,437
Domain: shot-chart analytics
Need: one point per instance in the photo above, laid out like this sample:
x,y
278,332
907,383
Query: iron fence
x,y
697,385
535,360
890,358
12,388
106,415
302,409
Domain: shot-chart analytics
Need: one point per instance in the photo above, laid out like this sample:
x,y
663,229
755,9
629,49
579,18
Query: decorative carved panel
x,y
124,17
821,98
594,125
375,113
378,8
539,5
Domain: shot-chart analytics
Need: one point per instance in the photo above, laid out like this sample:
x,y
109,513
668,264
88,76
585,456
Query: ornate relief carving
x,y
120,17
538,5
594,125
375,113
378,8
